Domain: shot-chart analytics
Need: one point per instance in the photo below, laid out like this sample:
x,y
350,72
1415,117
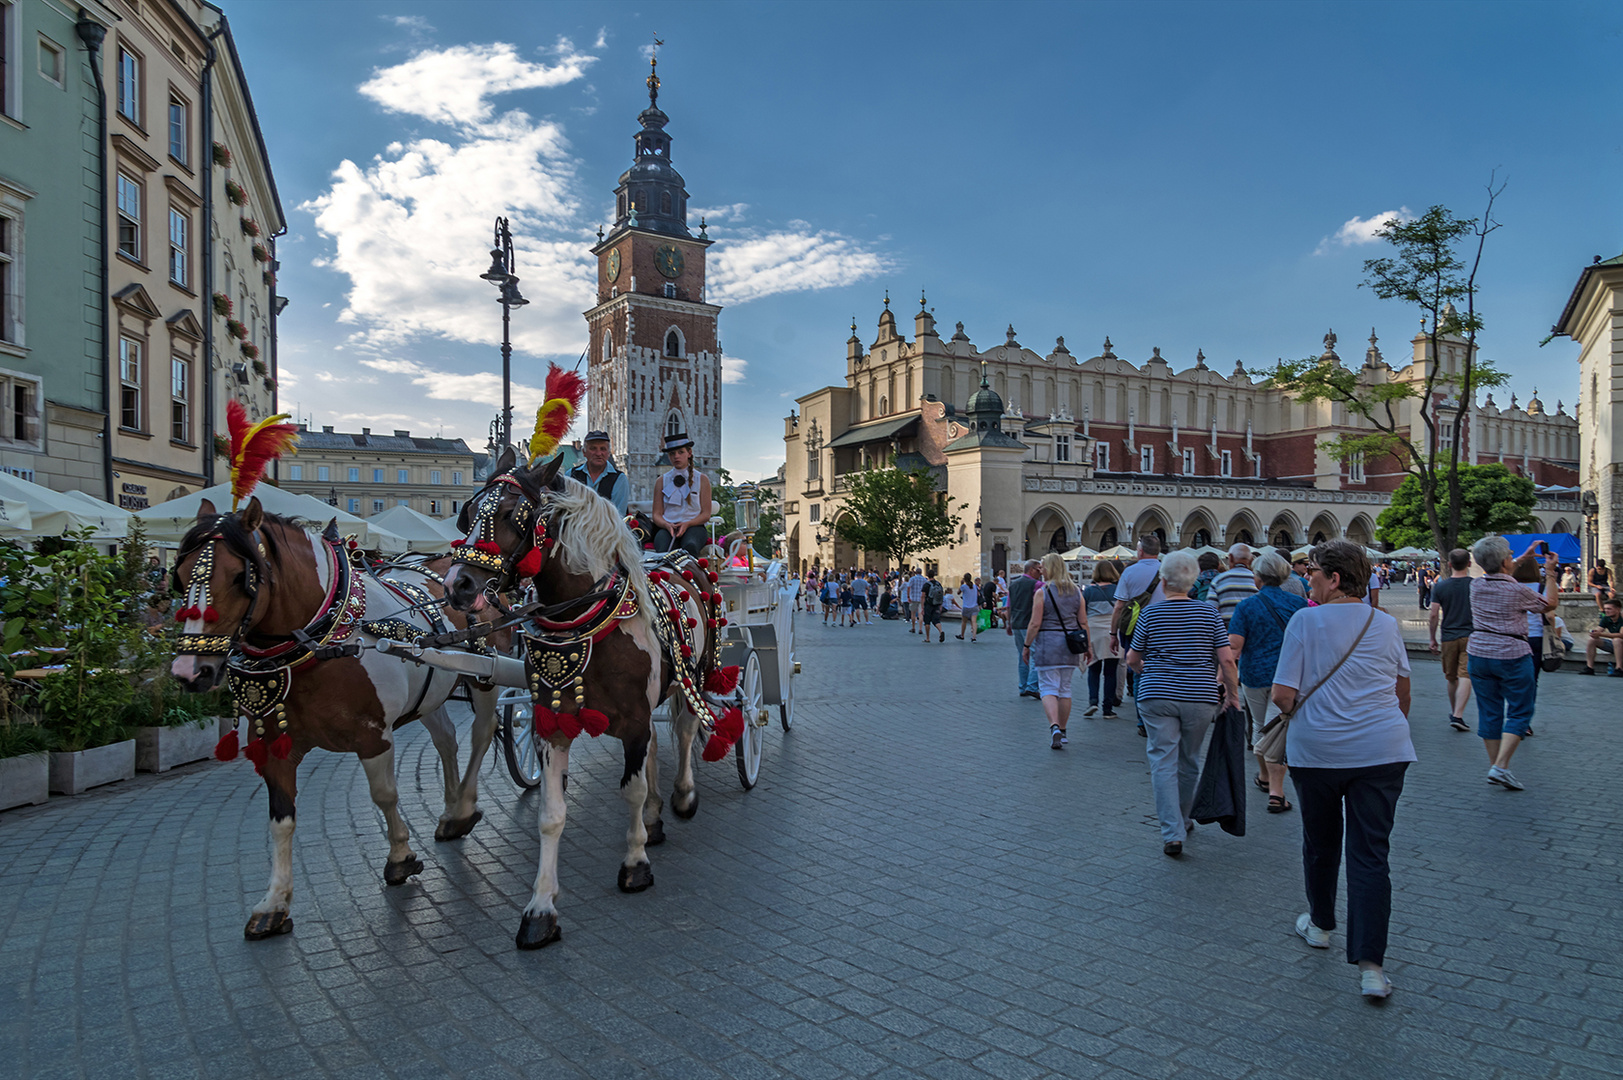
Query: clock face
x,y
668,260
614,264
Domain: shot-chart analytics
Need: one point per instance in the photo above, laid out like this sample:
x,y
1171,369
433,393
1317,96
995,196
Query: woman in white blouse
x,y
681,500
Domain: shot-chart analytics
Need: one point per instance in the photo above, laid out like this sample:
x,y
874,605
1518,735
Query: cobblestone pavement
x,y
919,886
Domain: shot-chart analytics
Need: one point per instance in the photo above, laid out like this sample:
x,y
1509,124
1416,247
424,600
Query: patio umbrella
x,y
32,510
171,520
1120,551
1081,551
421,532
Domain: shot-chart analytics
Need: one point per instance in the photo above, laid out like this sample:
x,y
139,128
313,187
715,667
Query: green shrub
x,y
19,739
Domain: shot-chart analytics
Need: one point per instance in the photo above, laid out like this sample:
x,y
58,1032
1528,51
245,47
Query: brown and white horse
x,y
532,523
267,606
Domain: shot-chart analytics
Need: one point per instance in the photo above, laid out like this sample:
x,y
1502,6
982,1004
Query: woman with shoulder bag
x,y
1342,687
1056,644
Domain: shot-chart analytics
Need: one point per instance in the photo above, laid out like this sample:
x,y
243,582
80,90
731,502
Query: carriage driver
x,y
598,472
681,500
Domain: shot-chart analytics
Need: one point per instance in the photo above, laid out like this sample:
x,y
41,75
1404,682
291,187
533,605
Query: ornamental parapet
x,y
1247,491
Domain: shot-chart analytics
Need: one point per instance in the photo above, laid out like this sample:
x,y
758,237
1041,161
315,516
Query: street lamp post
x,y
501,275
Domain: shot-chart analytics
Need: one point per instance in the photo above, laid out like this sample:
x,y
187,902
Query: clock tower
x,y
653,359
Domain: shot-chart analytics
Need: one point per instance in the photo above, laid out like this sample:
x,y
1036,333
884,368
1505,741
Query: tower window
x,y
673,340
670,291
665,202
673,424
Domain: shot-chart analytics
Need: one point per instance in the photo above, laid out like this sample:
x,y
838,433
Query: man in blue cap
x,y
598,472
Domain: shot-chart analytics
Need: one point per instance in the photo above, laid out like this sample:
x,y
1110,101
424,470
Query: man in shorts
x,y
859,599
1451,607
915,600
1605,637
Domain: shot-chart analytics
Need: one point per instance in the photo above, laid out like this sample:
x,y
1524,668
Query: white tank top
x,y
681,501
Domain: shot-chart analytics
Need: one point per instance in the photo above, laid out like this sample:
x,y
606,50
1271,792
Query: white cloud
x,y
602,41
1362,230
732,211
452,85
732,369
415,23
480,387
798,259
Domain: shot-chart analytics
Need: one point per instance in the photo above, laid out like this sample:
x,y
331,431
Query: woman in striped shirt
x,y
1180,650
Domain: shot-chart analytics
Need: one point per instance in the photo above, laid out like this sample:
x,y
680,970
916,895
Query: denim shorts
x,y
1055,681
1504,695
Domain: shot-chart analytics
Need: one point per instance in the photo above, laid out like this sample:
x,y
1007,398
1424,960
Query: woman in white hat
x,y
681,500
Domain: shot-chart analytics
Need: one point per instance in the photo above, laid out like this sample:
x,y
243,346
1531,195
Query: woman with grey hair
x,y
1498,657
1256,631
1343,674
1180,648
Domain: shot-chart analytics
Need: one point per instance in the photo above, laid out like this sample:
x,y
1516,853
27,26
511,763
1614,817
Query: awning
x,y
31,510
171,520
884,429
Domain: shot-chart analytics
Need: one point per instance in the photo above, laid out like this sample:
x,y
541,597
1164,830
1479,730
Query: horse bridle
x,y
199,602
480,549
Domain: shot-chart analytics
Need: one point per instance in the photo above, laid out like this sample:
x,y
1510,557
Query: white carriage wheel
x,y
747,750
518,746
786,695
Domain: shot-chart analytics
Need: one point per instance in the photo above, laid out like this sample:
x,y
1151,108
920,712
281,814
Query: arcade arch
x,y
1324,527
1199,529
1285,530
1048,530
1153,520
1244,528
1102,528
1361,531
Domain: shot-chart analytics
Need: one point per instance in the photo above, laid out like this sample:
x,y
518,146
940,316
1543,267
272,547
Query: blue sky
x,y
1181,176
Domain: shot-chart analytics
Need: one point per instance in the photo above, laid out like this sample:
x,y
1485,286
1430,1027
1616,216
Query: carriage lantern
x,y
746,511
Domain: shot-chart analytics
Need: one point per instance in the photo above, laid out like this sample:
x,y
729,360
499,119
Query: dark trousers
x,y
1107,670
1369,797
692,541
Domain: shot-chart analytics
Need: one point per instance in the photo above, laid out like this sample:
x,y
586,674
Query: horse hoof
x,y
692,807
396,873
656,834
267,925
457,828
635,878
537,931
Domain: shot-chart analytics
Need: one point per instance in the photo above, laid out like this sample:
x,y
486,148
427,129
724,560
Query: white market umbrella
x,y
1081,551
1120,551
31,510
171,520
421,532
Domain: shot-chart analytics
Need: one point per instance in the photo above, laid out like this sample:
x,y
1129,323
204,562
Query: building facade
x,y
366,474
1593,317
1054,451
52,368
654,357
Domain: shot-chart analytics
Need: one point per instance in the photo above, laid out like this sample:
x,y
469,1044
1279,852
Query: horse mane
x,y
592,537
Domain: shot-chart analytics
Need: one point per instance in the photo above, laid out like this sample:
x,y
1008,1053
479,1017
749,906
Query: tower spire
x,y
653,73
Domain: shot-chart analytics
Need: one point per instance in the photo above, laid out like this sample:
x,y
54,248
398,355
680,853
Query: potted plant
x,y
236,329
222,156
261,253
25,764
236,193
250,227
259,368
222,304
174,728
250,350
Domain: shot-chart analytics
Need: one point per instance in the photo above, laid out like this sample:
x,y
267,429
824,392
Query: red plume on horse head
x,y
254,447
558,408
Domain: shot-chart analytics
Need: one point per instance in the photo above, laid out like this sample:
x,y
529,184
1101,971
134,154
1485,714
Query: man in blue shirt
x,y
598,472
1256,632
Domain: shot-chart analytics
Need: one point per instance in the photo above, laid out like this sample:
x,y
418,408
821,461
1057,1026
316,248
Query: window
x,y
377,477
400,477
816,513
670,294
11,280
664,201
433,476
52,61
1226,463
377,506
129,84
1189,464
295,472
178,227
673,344
1355,469
129,377
20,400
673,425
1062,448
177,129
1146,459
354,506
456,477
1101,456
434,507
354,475
323,472
129,218
180,400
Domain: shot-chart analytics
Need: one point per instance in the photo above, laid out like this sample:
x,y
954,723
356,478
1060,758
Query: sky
x,y
1176,176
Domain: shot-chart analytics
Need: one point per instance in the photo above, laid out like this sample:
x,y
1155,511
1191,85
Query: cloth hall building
x,y
1044,452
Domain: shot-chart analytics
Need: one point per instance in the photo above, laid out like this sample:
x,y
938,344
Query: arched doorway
x,y
1048,530
1243,528
1324,527
1101,528
1152,522
1360,531
1285,531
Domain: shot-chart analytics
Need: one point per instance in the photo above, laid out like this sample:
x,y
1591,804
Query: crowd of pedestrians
x,y
1299,648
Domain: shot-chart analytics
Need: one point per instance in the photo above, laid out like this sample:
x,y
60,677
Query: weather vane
x,y
653,71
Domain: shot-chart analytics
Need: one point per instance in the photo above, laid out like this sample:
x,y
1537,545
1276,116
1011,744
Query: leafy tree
x,y
726,492
896,512
1492,500
1428,270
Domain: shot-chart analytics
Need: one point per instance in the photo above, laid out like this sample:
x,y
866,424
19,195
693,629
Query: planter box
x,y
24,780
159,749
81,770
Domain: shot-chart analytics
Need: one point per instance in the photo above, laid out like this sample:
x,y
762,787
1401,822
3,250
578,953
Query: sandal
x,y
1262,785
1277,804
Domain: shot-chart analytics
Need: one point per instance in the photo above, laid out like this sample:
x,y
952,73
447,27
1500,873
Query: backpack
x,y
937,596
1138,603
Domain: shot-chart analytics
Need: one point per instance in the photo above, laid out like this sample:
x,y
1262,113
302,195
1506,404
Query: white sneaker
x,y
1319,939
1505,778
1374,984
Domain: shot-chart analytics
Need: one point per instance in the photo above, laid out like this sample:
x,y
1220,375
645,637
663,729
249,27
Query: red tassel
x,y
684,594
530,565
568,724
546,722
692,622
716,748
226,748
281,746
180,616
459,541
722,680
731,724
593,722
488,547
210,615
704,562
255,752
687,651
714,577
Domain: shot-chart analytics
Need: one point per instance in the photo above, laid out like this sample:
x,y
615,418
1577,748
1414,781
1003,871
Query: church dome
x,y
984,401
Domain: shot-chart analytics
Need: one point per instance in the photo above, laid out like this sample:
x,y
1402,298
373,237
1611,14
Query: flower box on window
x,y
236,193
222,304
259,367
236,329
261,253
270,279
250,350
222,156
250,227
